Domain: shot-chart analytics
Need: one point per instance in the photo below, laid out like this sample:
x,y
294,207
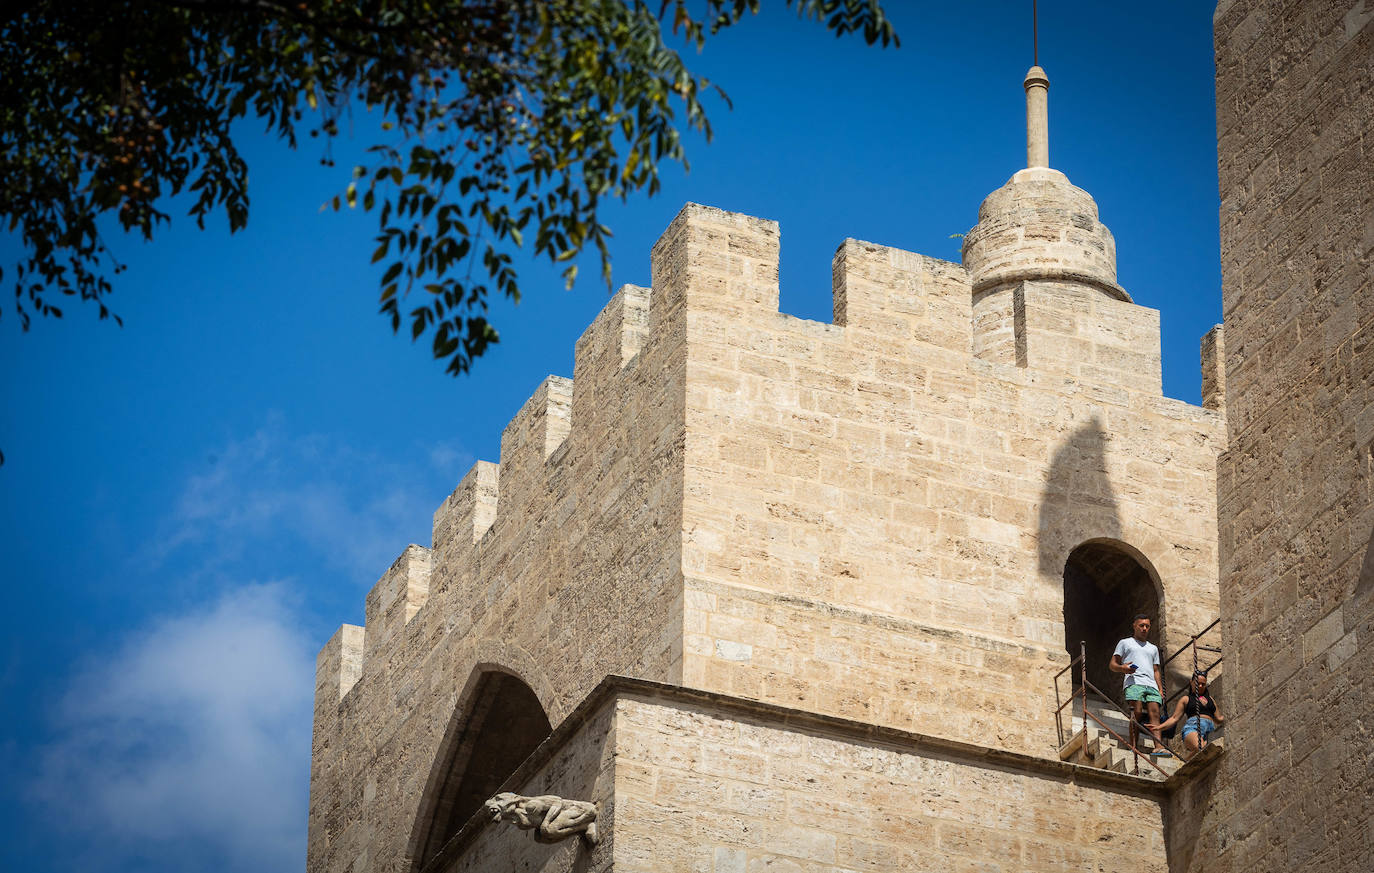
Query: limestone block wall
x,y
876,522
691,782
702,789
1295,114
561,564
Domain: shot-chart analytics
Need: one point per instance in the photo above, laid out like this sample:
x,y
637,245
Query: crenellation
x,y
468,513
901,295
395,598
537,430
337,667
611,341
710,258
1083,334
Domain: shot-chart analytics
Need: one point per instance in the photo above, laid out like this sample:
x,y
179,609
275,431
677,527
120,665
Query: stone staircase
x,y
1093,746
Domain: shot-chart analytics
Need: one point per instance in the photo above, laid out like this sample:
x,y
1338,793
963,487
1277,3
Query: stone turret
x,y
1042,269
1038,225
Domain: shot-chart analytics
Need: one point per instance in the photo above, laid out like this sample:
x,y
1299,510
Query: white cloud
x,y
344,508
450,459
187,747
191,742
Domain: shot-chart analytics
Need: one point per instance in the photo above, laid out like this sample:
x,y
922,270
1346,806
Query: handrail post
x,y
1083,687
1059,712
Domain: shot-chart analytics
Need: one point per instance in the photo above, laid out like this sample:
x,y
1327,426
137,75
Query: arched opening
x,y
1105,587
504,723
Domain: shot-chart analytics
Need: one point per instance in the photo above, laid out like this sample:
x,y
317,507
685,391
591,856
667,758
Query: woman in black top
x,y
1198,711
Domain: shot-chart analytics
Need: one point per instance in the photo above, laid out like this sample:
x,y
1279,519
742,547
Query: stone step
x,y
1097,748
1145,743
1110,756
1072,751
1168,765
1080,748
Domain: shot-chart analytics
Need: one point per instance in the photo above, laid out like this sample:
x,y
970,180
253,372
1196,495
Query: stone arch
x,y
498,721
1106,583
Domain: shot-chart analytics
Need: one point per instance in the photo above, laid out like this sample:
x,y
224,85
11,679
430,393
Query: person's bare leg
x,y
1135,724
1192,742
1153,723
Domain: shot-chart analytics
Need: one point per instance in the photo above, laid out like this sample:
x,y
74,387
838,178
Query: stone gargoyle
x,y
552,818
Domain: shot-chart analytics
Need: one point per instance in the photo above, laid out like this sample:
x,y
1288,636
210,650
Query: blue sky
x,y
193,503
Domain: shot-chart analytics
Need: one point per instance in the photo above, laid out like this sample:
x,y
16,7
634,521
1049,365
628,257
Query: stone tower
x,y
1295,127
786,595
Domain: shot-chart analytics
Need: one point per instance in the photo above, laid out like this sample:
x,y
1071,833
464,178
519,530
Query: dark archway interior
x,y
504,725
1104,588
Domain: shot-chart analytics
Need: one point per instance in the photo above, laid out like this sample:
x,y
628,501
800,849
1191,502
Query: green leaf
x,y
562,106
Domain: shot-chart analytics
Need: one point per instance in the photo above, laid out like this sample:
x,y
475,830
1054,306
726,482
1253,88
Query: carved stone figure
x,y
552,818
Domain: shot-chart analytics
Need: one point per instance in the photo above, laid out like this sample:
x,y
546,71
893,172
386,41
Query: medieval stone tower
x,y
783,595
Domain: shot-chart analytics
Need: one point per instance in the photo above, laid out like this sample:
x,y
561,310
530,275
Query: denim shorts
x,y
1199,725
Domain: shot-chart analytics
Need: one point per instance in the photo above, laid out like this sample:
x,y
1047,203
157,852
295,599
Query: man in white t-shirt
x,y
1138,660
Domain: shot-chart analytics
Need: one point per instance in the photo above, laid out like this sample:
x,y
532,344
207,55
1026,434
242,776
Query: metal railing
x,y
1200,652
1195,647
1082,695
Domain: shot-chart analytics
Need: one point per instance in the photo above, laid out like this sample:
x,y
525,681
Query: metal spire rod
x,y
1035,36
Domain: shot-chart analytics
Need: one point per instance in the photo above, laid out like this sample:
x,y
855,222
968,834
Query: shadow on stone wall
x,y
1104,581
492,733
1079,502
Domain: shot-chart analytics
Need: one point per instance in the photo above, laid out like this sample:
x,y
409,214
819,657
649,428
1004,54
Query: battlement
x,y
396,597
844,518
717,278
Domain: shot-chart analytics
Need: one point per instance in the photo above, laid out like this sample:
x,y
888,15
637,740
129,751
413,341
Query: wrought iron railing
x,y
1206,658
1195,647
1081,695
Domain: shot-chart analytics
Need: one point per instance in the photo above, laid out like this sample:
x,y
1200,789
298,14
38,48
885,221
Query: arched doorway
x,y
503,723
1105,586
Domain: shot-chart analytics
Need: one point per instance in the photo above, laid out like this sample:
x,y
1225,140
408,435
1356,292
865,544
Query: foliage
x,y
500,121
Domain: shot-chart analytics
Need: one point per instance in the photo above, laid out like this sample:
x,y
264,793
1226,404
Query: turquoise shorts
x,y
1143,693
